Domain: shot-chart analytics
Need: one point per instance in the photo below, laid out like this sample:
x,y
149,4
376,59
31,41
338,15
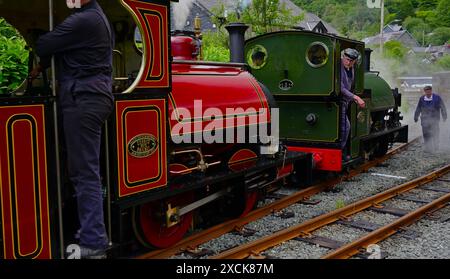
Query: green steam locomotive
x,y
302,70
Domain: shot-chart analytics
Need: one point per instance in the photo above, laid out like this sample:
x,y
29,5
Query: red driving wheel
x,y
152,225
251,198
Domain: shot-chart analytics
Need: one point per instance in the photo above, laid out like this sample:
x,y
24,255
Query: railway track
x,y
303,231
192,242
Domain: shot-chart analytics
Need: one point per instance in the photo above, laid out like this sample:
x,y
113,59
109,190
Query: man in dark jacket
x,y
348,60
430,108
82,46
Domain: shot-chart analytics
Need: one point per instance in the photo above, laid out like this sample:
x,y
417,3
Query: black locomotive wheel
x,y
150,223
381,149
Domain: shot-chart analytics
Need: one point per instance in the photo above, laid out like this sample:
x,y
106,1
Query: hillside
x,y
425,19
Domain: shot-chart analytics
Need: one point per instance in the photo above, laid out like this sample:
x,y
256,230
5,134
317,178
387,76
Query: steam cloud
x,y
181,12
388,71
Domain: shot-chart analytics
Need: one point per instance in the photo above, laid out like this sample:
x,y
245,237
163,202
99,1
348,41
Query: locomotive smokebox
x,y
237,32
367,54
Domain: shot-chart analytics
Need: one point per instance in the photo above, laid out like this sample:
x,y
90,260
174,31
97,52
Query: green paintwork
x,y
293,125
286,59
382,97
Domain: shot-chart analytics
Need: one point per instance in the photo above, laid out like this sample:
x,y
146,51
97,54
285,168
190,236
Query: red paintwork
x,y
136,175
242,159
221,87
28,155
251,198
184,48
285,171
324,159
156,40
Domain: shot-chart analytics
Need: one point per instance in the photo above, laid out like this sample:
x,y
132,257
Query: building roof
x,y
392,28
391,36
310,21
432,49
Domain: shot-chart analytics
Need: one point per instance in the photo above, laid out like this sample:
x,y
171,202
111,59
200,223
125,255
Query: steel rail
x,y
382,233
199,238
305,229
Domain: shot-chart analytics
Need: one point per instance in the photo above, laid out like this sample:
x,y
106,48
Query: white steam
x,y
390,72
181,12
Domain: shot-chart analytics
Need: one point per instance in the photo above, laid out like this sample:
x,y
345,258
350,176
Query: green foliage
x,y
402,8
443,13
263,16
215,47
417,27
269,15
426,4
317,7
439,36
353,19
13,58
428,17
395,50
413,23
444,62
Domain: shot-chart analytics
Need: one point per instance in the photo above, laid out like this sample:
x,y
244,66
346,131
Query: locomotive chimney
x,y
367,54
237,32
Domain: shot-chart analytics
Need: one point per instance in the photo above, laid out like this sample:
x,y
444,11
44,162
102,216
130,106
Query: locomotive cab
x,y
127,59
29,121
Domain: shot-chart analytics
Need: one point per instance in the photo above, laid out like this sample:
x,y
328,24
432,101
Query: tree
x,y
263,15
427,4
395,50
428,17
215,46
317,7
443,13
269,15
444,62
417,27
439,36
411,23
402,8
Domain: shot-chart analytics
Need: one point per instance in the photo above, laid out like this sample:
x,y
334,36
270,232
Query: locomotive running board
x,y
402,134
302,161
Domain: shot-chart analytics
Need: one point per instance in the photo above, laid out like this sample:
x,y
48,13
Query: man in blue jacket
x,y
82,46
430,108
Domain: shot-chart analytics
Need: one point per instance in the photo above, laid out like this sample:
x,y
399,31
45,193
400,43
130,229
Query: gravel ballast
x,y
433,242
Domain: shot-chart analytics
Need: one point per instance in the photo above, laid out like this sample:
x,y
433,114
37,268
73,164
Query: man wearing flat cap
x,y
430,108
348,60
